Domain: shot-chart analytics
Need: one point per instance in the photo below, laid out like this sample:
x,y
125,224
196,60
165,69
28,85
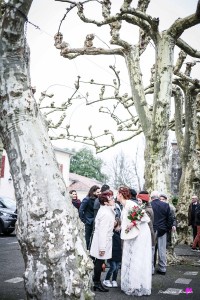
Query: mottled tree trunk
x,y
155,123
156,169
57,265
190,160
189,185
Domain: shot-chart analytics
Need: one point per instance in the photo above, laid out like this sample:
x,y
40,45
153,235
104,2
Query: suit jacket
x,y
162,217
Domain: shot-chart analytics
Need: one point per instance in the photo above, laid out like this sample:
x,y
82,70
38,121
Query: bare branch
x,y
181,58
188,68
198,10
187,48
181,24
71,53
92,139
143,20
143,5
187,79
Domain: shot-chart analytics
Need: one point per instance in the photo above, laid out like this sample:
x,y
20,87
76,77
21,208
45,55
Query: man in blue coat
x,y
86,212
162,224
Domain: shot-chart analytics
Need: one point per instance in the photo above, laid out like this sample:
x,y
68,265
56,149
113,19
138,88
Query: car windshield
x,y
8,202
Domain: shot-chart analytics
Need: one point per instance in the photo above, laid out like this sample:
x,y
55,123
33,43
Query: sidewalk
x,y
171,286
180,282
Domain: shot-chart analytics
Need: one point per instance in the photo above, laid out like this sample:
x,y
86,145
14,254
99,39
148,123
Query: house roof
x,y
82,183
64,150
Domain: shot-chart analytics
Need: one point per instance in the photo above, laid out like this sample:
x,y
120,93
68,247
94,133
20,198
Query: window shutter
x,y
3,165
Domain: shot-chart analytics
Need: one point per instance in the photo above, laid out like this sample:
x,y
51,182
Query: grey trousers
x,y
162,253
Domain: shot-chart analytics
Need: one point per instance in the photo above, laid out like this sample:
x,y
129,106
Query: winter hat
x,y
143,195
133,193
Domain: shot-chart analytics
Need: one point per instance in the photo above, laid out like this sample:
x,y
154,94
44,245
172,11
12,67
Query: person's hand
x,y
173,228
101,253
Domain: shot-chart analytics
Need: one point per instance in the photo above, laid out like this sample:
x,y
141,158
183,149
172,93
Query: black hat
x,y
105,187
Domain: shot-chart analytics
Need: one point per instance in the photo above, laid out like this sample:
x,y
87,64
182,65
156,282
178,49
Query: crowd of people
x,y
131,231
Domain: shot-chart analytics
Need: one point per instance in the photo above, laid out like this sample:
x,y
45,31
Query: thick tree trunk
x,y
156,169
56,262
57,265
189,185
156,130
190,162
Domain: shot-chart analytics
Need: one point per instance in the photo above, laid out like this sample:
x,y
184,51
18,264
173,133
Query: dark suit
x,y
162,224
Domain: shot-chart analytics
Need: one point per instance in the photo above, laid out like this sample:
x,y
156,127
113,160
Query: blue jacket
x,y
86,210
162,217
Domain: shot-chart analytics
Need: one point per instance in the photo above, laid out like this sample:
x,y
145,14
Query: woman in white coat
x,y
136,269
101,247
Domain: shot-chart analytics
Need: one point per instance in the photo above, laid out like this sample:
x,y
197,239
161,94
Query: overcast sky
x,y
49,68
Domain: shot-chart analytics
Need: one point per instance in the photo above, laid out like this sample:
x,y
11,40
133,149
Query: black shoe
x,y
99,287
160,272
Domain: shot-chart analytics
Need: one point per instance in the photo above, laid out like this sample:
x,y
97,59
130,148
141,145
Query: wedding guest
x,y
101,247
133,195
197,223
164,198
116,259
191,215
136,268
162,224
86,212
75,201
104,188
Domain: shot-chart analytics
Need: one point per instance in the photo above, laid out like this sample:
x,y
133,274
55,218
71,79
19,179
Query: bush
x,y
174,200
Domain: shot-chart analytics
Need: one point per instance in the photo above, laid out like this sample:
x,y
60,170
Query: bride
x,y
136,269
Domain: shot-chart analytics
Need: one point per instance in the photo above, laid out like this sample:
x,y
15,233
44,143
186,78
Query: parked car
x,y
8,215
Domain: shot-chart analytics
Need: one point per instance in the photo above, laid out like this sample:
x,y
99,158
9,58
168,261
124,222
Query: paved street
x,y
11,268
181,282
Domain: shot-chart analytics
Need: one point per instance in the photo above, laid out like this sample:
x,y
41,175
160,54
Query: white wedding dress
x,y
136,270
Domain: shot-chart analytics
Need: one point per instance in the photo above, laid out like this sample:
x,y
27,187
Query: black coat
x,y
116,247
86,210
162,217
197,215
191,213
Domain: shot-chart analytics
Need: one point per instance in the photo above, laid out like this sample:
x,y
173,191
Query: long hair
x,y
93,189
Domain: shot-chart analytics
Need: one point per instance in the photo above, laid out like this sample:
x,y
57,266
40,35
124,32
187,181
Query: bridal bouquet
x,y
135,215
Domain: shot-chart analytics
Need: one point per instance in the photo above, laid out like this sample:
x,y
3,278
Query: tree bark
x,y
57,265
190,161
155,124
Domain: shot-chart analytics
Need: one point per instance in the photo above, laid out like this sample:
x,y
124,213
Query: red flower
x,y
135,215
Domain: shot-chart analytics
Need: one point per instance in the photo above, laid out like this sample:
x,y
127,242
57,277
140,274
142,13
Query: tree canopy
x,y
86,164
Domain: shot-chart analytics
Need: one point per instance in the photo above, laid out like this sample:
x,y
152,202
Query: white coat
x,y
102,238
125,222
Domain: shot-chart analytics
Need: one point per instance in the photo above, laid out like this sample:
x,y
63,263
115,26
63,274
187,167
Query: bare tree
x,y
154,120
56,262
122,170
